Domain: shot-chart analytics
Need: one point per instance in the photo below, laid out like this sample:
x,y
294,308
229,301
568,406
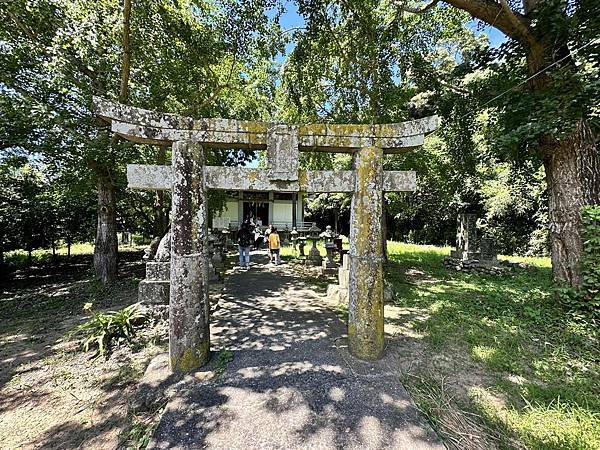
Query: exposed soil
x,y
52,395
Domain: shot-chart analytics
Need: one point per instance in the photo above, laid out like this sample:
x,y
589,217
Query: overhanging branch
x,y
516,22
411,9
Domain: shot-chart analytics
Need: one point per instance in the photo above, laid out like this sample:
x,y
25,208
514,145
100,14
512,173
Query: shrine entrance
x,y
189,179
256,211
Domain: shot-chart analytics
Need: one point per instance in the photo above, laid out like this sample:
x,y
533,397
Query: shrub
x,y
102,330
587,299
138,239
591,257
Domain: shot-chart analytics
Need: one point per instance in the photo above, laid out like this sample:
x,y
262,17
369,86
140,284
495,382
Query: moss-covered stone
x,y
366,285
191,358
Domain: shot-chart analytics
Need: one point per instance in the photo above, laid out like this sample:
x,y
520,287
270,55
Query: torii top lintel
x,y
149,127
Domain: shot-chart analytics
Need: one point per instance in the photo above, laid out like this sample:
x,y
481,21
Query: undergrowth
x,y
102,330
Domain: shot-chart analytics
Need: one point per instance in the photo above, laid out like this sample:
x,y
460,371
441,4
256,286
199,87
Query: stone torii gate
x,y
189,179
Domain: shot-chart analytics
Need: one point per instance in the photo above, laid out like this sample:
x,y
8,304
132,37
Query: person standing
x,y
267,232
274,246
244,243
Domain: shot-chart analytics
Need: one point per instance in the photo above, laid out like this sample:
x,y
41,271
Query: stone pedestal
x,y
366,286
189,335
314,256
328,262
154,289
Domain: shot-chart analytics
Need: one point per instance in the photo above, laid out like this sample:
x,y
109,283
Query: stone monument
x,y
466,237
154,289
314,256
472,255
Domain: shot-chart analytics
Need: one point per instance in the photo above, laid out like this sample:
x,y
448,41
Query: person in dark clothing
x,y
245,240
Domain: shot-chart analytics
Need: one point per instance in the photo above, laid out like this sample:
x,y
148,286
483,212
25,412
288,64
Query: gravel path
x,y
291,383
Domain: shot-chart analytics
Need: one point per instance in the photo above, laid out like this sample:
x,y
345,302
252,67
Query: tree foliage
x,y
202,59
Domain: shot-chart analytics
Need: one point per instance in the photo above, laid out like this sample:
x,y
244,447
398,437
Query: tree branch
x,y
410,9
455,89
72,58
519,26
498,15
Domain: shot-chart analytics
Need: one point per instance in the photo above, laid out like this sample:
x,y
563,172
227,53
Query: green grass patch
x,y
514,327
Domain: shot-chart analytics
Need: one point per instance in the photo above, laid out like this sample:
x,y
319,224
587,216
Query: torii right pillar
x,y
366,288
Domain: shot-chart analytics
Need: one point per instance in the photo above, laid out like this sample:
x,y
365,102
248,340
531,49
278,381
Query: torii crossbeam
x,y
189,179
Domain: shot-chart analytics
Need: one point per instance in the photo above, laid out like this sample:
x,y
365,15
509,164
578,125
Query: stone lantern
x,y
301,245
328,236
211,242
225,234
314,256
219,252
294,237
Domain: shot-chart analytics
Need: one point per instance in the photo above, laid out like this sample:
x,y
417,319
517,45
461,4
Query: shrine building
x,y
281,209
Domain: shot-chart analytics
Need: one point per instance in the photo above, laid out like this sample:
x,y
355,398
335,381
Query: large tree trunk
x,y
105,249
573,178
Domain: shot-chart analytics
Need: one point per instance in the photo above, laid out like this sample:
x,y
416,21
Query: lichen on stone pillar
x,y
189,335
366,285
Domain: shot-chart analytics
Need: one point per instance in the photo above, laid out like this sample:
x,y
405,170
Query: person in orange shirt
x,y
274,246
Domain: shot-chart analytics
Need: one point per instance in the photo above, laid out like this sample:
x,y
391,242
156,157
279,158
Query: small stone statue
x,y
150,251
163,253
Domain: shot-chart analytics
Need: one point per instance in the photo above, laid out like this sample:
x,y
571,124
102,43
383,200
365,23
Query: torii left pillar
x,y
366,284
189,335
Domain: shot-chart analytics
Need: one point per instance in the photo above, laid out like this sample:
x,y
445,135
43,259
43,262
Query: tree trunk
x,y
106,246
384,231
68,249
105,249
573,177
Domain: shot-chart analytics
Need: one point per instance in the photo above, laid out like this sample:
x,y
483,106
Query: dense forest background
x,y
348,62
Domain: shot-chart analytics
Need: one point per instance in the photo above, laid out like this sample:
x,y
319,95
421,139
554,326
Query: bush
x,y
591,256
138,239
587,299
102,330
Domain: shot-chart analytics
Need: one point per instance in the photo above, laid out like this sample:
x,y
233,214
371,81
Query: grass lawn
x,y
493,361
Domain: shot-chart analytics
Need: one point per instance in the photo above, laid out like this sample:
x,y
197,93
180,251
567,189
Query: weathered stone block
x,y
189,308
154,292
487,247
343,277
366,286
158,270
282,152
337,294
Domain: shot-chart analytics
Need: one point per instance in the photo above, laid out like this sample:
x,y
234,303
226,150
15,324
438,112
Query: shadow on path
x,y
291,383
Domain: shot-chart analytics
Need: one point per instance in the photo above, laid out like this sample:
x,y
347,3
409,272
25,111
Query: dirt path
x,y
290,382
